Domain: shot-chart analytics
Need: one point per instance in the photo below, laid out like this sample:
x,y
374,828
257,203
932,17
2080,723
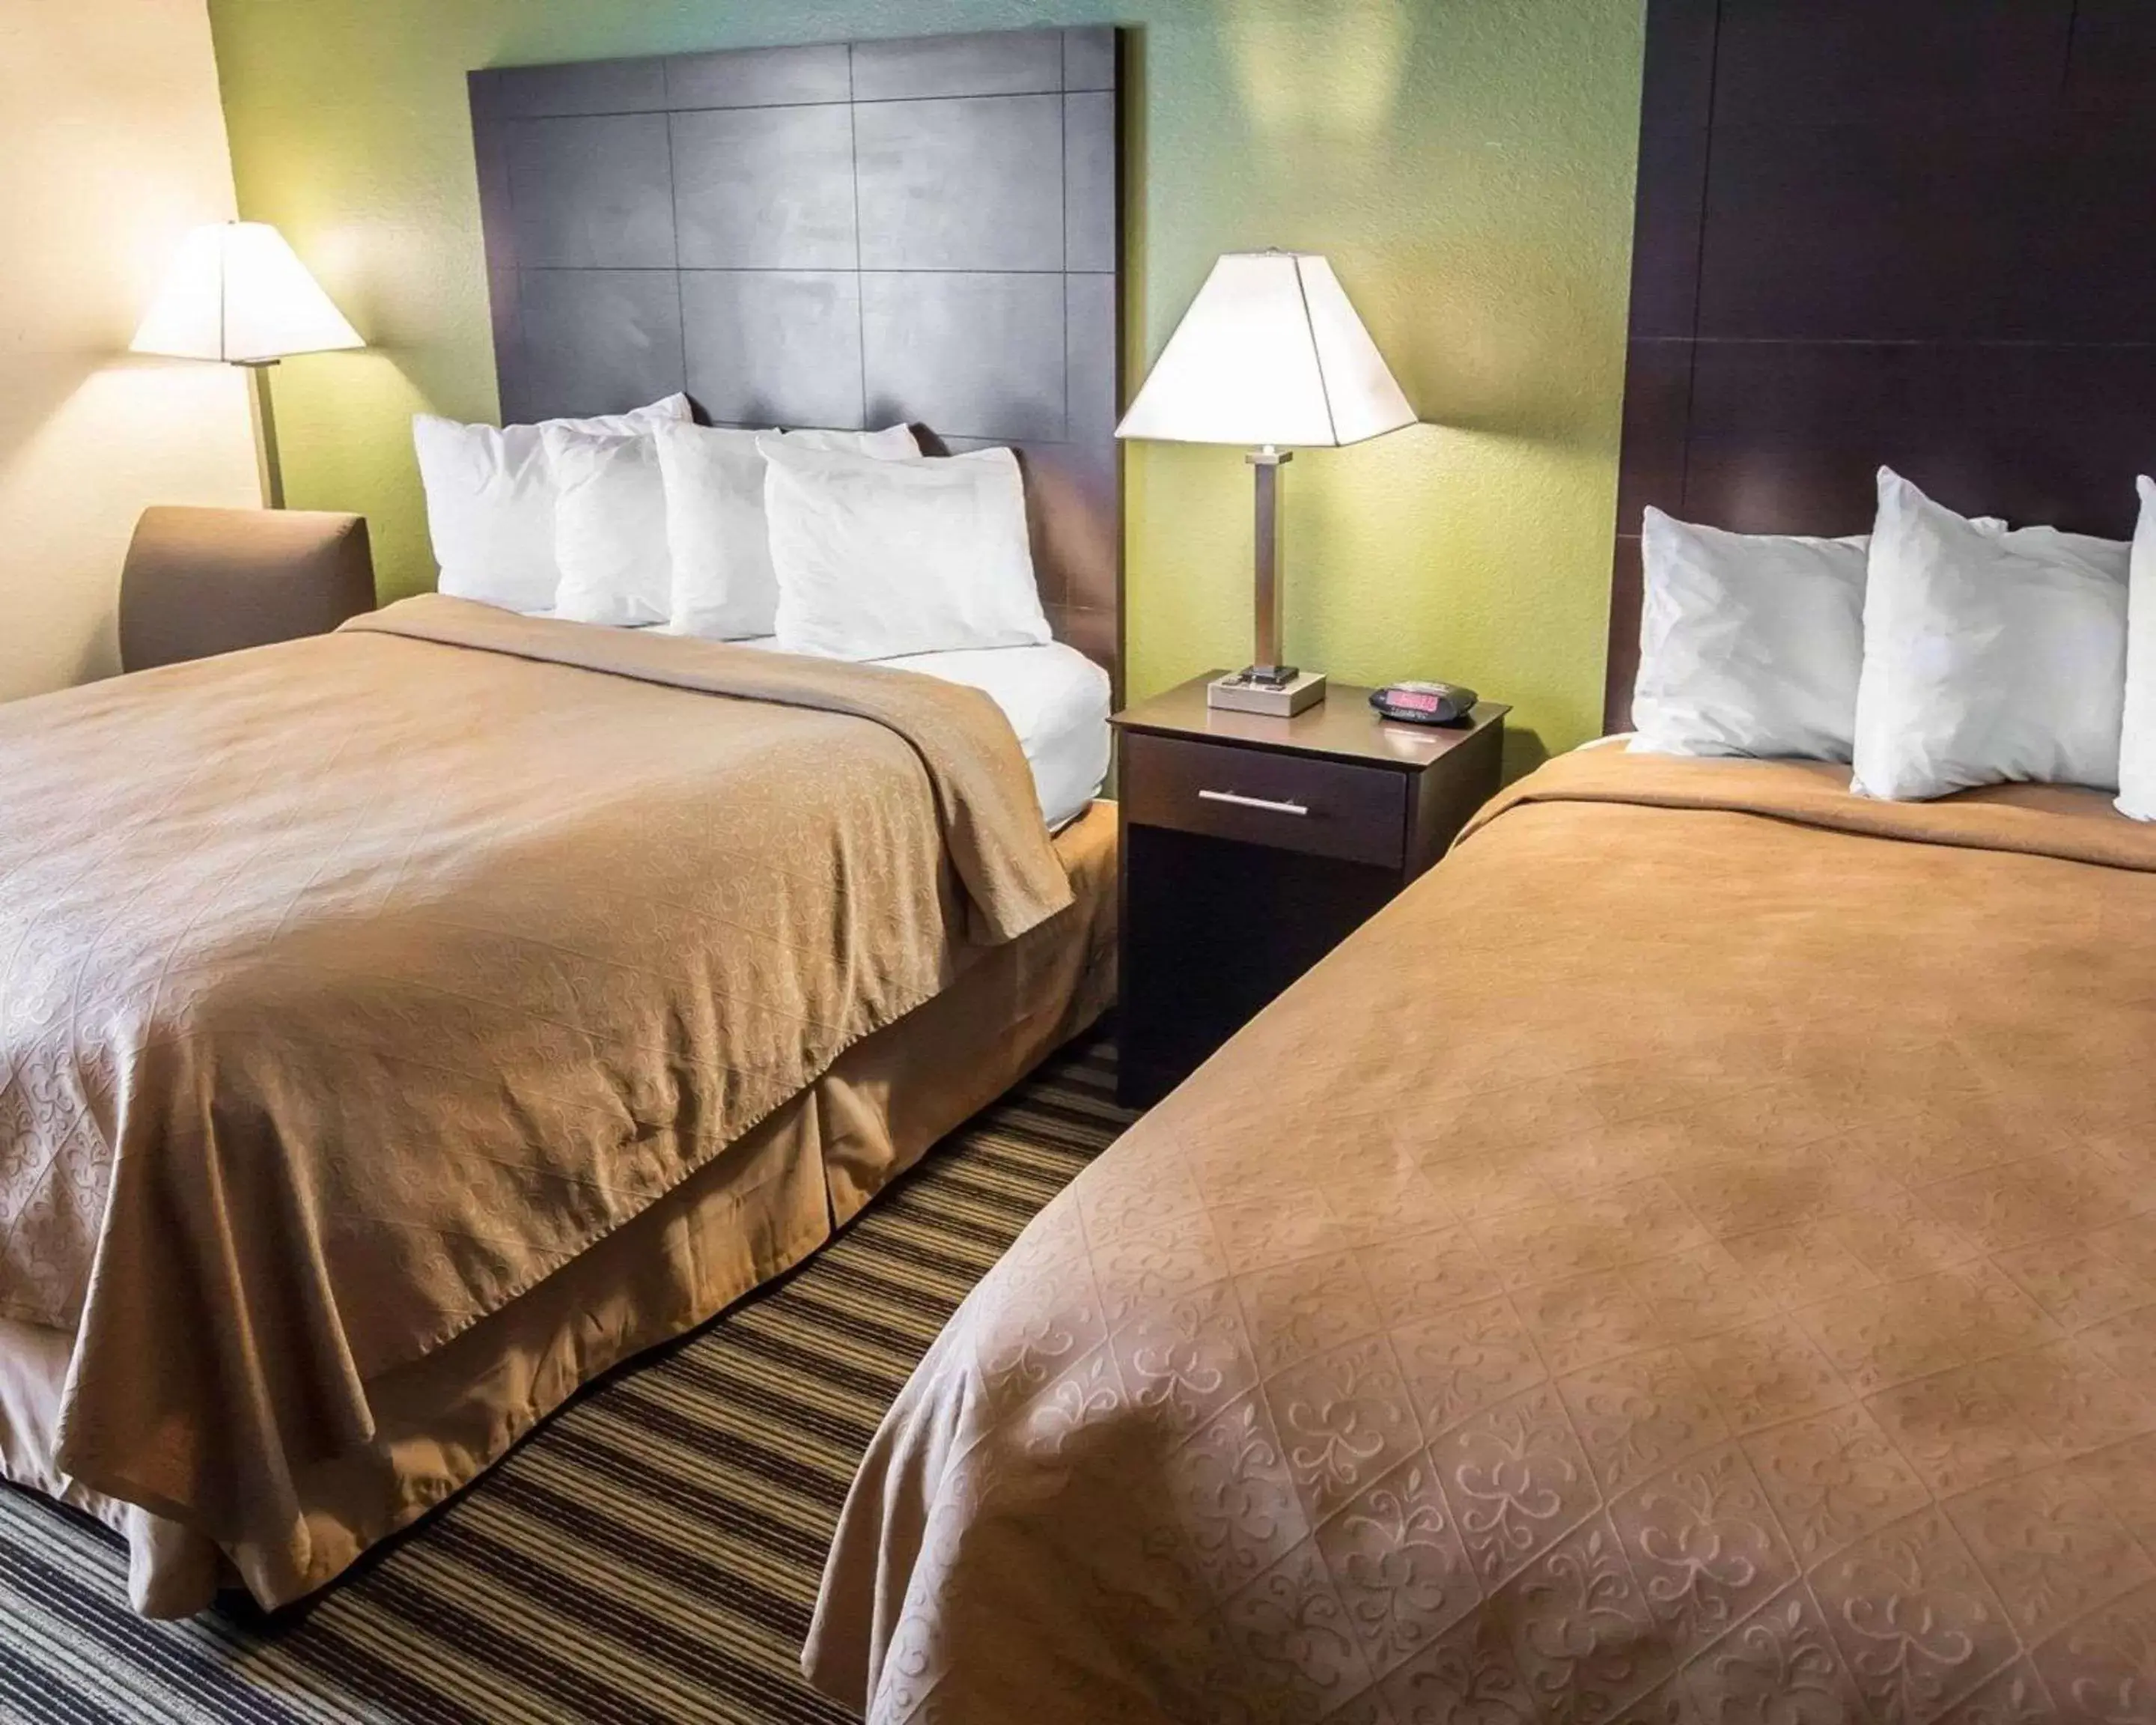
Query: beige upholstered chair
x,y
203,581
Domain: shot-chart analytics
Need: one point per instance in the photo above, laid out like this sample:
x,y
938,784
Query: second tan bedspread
x,y
349,986
1739,1304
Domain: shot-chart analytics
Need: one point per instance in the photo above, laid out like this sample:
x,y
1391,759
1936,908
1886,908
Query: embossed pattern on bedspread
x,y
1745,1307
348,987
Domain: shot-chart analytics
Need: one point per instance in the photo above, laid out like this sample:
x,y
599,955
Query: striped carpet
x,y
650,1554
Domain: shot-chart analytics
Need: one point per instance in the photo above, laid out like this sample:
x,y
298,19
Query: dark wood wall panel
x,y
1785,437
2113,62
1805,63
1915,231
841,234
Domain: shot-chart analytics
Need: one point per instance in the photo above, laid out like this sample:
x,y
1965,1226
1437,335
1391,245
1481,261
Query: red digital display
x,y
1408,697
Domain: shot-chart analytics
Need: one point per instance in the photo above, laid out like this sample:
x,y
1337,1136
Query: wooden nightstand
x,y
1252,846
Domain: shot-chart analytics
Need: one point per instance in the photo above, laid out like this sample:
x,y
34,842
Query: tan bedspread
x,y
349,986
1741,1305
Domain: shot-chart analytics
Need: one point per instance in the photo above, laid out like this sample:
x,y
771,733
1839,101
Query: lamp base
x,y
1240,691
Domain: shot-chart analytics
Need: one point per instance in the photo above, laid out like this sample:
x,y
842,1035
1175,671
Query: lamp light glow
x,y
237,292
1269,352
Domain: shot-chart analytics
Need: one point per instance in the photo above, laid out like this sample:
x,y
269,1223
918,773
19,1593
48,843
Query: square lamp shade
x,y
237,292
1270,355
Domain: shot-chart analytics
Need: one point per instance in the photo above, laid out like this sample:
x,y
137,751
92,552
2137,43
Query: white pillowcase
x,y
2137,738
490,502
610,526
723,585
1750,643
1987,656
879,558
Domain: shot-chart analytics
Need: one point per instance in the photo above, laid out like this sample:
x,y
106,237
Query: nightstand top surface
x,y
1341,727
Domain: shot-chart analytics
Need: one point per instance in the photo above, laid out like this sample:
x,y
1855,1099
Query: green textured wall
x,y
1467,165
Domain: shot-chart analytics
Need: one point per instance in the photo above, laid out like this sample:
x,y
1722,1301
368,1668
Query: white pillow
x,y
610,526
894,443
1750,643
2137,739
880,558
1987,656
490,502
724,588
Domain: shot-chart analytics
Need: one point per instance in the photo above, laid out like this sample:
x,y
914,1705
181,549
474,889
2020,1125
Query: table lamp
x,y
1271,354
237,292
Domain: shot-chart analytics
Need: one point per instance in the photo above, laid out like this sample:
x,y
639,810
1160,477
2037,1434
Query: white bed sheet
x,y
1056,700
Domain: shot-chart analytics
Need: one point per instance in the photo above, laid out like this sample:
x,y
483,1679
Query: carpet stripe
x,y
627,1649
679,1487
847,1422
114,1654
226,1645
28,1689
433,1674
396,1694
406,1675
495,1628
647,1614
787,1579
618,1536
650,1554
710,1480
770,1394
792,1461
715,1445
771,1338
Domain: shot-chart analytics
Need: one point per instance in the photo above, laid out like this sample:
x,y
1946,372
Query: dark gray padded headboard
x,y
846,235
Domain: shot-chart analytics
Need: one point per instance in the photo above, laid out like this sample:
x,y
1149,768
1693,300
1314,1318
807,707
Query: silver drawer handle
x,y
1265,803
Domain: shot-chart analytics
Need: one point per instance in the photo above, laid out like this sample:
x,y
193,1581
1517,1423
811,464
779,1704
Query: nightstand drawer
x,y
1263,796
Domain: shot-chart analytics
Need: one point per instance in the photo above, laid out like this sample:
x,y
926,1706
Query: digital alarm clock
x,y
1423,703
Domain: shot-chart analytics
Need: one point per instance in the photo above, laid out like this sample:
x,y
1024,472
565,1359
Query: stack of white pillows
x,y
1937,654
845,544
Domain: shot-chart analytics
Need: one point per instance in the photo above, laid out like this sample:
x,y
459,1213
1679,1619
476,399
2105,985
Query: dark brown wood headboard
x,y
843,235
1915,231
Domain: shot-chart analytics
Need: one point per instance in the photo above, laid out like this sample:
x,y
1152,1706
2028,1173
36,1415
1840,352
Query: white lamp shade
x,y
237,292
1269,352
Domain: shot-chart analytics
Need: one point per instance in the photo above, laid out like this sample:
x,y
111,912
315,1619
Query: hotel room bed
x,y
1693,1256
399,1027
